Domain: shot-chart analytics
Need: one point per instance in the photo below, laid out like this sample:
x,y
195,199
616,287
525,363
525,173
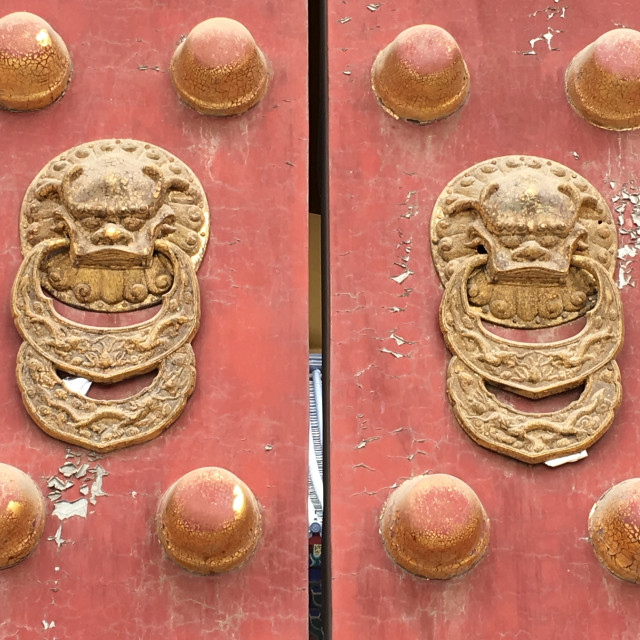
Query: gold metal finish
x,y
218,69
112,199
533,437
527,368
421,76
603,81
35,66
104,425
99,353
434,526
526,243
209,521
21,515
614,530
110,212
530,216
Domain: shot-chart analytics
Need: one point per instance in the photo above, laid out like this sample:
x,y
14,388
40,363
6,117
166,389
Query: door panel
x,y
389,414
105,574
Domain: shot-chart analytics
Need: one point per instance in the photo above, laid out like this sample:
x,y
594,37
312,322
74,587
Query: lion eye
x,y
92,223
511,242
131,223
548,241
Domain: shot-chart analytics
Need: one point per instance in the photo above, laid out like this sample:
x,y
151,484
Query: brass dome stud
x,y
21,515
421,76
614,530
218,69
603,81
35,66
434,526
209,521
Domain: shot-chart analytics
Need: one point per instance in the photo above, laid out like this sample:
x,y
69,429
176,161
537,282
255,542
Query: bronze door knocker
x,y
109,226
526,243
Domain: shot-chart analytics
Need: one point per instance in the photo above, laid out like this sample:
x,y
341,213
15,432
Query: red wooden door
x,y
103,573
389,414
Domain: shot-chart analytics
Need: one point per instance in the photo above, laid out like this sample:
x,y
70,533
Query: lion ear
x,y
48,188
461,204
581,201
488,191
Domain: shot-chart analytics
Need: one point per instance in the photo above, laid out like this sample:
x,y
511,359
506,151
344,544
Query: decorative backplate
x,y
526,243
530,215
113,198
111,226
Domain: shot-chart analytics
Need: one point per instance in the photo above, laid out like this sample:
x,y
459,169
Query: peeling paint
x,y
365,441
57,537
64,509
402,277
545,38
400,340
551,12
96,486
574,457
395,354
626,204
362,465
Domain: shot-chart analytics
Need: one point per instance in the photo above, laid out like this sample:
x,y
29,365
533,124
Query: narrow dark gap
x,y
318,204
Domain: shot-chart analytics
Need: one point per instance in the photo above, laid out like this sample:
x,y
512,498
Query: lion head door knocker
x,y
526,243
109,226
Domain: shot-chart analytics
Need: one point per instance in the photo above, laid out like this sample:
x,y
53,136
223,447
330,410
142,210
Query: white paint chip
x,y
574,457
77,385
96,486
63,509
402,277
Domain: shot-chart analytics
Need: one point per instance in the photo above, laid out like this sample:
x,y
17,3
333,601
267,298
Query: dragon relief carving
x,y
524,242
112,225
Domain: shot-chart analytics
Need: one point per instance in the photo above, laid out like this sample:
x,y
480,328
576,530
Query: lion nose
x,y
112,234
530,252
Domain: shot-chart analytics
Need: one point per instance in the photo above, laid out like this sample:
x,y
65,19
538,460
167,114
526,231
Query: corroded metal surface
x,y
108,211
21,515
435,526
526,227
113,199
218,69
35,67
209,521
603,81
614,530
104,425
533,437
421,76
106,354
533,370
530,215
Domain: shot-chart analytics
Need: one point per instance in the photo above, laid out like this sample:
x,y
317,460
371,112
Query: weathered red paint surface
x,y
390,418
110,578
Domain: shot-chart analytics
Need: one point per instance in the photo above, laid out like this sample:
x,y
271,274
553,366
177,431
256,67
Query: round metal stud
x,y
21,515
209,521
603,81
421,76
614,530
434,526
218,69
35,66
